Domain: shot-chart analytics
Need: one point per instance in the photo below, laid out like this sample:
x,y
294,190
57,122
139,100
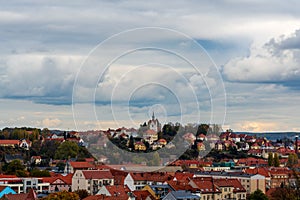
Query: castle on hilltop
x,y
153,124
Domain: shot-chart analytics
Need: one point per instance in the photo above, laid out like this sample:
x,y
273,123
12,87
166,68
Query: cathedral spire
x,y
153,117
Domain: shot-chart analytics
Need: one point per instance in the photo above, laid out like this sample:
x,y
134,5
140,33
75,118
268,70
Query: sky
x,y
97,64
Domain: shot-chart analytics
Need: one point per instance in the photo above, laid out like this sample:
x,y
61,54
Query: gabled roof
x,y
97,174
118,191
150,176
205,185
81,165
142,194
236,184
183,176
31,195
66,179
181,185
258,170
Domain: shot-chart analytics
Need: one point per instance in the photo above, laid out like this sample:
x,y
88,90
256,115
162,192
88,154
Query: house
x,y
205,187
250,139
261,171
118,191
22,185
71,167
200,146
231,188
143,195
181,194
249,181
36,160
31,195
137,181
162,141
255,152
219,146
158,191
279,176
235,138
59,182
255,146
156,146
91,180
150,136
9,143
25,144
201,137
190,137
140,146
6,190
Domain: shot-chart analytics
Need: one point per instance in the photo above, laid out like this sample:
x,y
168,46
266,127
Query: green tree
x,y
21,173
60,166
12,167
270,159
292,160
258,195
67,149
155,159
39,173
64,195
285,193
276,160
131,143
49,148
82,193
202,129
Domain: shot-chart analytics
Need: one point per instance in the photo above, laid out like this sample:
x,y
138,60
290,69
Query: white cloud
x,y
268,63
40,56
51,122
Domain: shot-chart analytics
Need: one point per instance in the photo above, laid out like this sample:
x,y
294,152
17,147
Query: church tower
x,y
154,124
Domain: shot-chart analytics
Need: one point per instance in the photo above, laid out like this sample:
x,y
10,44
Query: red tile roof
x,y
66,179
103,197
236,184
258,170
81,165
151,176
142,195
150,132
7,176
181,185
10,142
206,185
97,174
31,195
118,190
89,159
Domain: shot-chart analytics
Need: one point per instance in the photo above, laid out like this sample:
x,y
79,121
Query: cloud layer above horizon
x,y
255,47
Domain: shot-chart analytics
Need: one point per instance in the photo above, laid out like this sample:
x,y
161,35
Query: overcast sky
x,y
95,64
